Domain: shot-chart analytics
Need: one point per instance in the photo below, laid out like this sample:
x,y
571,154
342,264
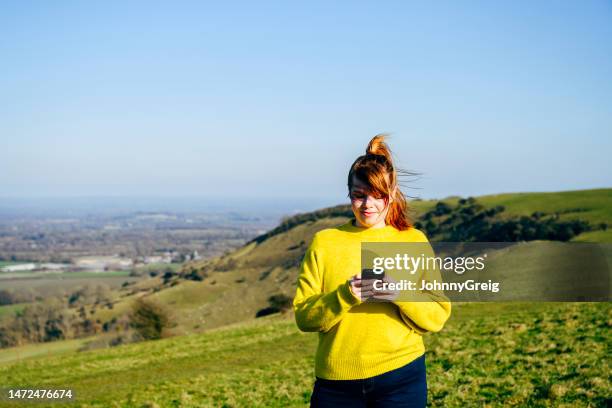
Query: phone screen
x,y
369,274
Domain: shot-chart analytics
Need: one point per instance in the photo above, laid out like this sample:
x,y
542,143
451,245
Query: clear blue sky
x,y
257,99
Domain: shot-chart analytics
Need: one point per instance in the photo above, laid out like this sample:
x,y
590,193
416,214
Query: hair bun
x,y
377,146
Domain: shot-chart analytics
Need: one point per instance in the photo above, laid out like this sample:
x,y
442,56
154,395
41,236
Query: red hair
x,y
376,170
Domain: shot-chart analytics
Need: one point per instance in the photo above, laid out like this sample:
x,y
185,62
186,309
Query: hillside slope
x,y
238,284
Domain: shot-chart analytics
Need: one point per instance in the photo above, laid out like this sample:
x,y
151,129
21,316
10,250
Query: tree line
x,y
470,221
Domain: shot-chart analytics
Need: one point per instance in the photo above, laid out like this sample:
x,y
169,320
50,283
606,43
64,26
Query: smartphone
x,y
369,274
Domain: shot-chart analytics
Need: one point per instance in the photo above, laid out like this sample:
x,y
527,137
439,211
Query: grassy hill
x,y
594,206
239,283
516,354
544,354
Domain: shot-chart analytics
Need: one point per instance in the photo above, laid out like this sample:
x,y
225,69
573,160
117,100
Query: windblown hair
x,y
376,170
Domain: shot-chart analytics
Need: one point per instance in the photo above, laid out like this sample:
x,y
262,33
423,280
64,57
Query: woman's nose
x,y
367,199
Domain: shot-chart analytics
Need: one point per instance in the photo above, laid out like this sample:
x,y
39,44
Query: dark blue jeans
x,y
403,387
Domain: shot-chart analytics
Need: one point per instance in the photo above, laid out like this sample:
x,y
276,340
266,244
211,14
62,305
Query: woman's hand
x,y
387,294
364,289
361,288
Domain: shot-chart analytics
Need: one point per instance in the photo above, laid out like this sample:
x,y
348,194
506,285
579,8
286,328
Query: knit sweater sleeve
x,y
316,311
430,309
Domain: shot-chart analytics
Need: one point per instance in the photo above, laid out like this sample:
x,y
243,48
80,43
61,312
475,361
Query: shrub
x,y
278,303
150,319
266,311
168,275
6,297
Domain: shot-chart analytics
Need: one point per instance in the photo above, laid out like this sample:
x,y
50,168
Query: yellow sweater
x,y
358,339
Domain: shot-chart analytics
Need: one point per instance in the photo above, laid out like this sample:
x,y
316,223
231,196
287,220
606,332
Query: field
x,y
545,354
62,275
49,286
9,263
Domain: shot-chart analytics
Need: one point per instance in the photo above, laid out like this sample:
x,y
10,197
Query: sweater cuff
x,y
347,295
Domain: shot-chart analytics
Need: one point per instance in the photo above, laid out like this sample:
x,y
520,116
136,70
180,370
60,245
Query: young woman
x,y
369,353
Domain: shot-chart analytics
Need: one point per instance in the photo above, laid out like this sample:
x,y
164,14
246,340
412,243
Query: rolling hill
x,y
239,283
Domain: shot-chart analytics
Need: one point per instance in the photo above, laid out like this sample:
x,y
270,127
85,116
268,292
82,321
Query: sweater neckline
x,y
368,232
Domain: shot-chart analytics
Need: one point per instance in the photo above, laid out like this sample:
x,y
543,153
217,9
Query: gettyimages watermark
x,y
536,271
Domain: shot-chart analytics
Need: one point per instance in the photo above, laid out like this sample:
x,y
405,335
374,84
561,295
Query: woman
x,y
369,353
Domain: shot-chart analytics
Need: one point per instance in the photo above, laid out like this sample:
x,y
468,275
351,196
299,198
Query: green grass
x,y
29,351
488,354
595,236
555,355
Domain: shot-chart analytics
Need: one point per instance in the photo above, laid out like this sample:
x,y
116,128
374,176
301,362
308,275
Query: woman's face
x,y
370,212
